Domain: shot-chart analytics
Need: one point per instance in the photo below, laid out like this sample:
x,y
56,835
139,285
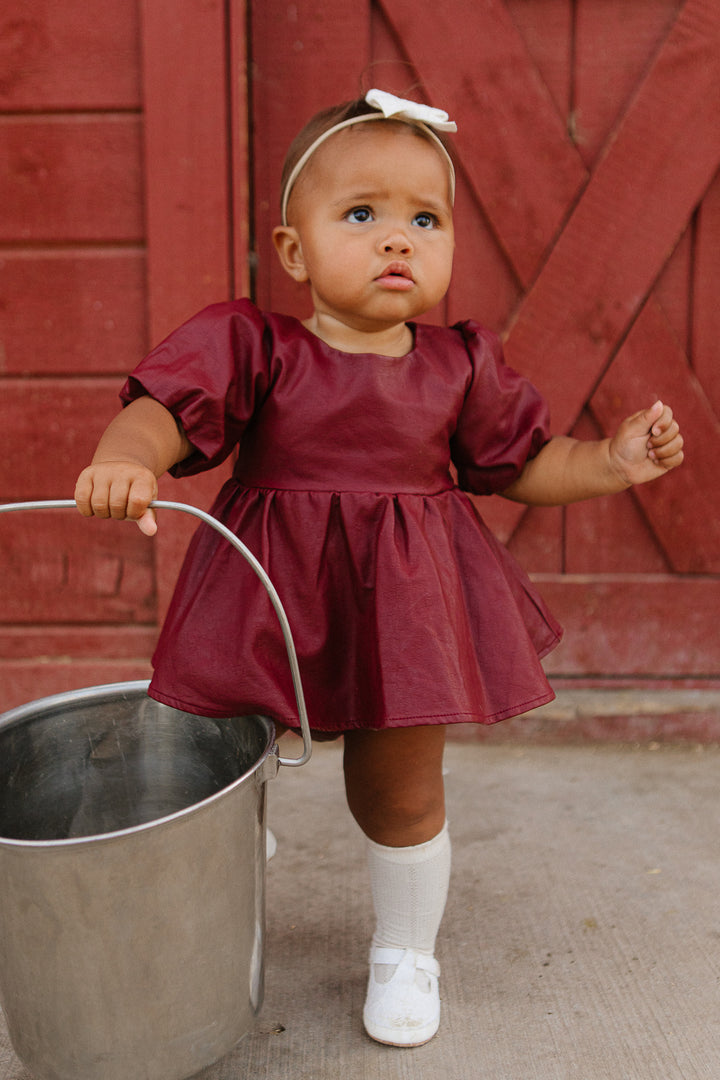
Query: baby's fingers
x,y
118,490
133,503
666,448
83,493
147,523
670,454
664,425
139,493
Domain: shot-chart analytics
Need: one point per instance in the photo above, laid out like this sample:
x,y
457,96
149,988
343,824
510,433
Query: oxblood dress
x,y
404,608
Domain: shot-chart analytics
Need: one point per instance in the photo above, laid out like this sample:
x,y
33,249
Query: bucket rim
x,y
46,704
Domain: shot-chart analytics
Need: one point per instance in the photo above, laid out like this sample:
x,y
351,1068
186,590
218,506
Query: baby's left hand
x,y
647,445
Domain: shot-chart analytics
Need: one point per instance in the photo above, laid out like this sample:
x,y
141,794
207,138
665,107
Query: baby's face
x,y
373,214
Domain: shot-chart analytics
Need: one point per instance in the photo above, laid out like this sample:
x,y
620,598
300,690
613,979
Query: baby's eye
x,y
359,215
425,220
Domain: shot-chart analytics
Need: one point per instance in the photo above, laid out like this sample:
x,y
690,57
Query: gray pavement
x,y
581,940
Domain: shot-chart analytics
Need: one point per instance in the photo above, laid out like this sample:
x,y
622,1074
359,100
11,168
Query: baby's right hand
x,y
119,490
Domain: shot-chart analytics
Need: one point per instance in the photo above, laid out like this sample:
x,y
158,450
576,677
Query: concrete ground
x,y
581,940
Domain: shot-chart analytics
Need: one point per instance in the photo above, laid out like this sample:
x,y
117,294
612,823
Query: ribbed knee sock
x,y
409,889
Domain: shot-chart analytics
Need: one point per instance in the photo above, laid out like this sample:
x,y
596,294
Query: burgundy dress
x,y
404,608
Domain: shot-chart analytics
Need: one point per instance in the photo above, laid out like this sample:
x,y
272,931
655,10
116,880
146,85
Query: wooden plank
x,y
634,625
55,57
667,713
511,139
187,157
706,310
51,428
537,543
483,285
651,360
70,178
72,310
613,42
547,28
609,535
85,641
306,56
632,213
240,136
25,681
391,68
673,290
188,198
72,570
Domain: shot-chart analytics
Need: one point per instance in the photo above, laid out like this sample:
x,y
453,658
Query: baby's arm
x,y
138,446
645,446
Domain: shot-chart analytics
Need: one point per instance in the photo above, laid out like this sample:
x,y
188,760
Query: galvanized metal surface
x,y
132,883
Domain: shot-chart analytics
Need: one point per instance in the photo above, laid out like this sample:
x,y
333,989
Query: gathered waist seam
x,y
341,491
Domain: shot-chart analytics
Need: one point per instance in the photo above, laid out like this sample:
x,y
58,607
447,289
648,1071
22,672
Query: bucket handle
x,y
63,504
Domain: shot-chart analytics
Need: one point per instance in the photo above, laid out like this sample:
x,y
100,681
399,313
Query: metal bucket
x,y
132,876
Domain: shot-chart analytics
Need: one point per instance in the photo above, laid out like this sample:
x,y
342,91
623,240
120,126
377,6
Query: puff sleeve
x,y
212,373
504,420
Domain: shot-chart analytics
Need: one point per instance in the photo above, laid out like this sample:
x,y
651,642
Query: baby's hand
x,y
118,489
647,445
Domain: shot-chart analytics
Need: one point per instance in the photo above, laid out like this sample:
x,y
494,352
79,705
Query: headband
x,y
389,108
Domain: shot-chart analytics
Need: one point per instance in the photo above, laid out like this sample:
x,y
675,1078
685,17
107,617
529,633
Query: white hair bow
x,y
391,107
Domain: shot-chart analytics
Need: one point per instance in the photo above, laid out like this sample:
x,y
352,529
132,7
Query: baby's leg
x,y
395,792
394,783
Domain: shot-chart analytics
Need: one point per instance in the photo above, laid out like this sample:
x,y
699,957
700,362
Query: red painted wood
x,y
706,309
70,178
71,570
68,311
61,56
614,41
484,286
51,427
116,641
191,247
609,535
239,107
546,27
678,507
634,626
687,725
537,543
187,151
29,680
306,56
632,213
673,290
510,71
391,70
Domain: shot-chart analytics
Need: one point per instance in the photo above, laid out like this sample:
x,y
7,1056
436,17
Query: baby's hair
x,y
317,126
328,118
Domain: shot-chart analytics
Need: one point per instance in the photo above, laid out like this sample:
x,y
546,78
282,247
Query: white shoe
x,y
270,845
404,1009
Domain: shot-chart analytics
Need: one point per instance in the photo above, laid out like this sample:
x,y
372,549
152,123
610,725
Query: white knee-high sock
x,y
409,889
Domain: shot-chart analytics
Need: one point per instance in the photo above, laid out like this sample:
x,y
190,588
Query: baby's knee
x,y
398,817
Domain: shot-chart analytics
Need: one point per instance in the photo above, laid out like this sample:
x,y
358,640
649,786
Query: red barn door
x,y
589,236
588,215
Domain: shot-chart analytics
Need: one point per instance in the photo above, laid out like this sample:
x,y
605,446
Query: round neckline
x,y
412,327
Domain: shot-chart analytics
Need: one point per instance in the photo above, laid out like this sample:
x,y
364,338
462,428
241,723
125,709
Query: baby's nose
x,y
397,241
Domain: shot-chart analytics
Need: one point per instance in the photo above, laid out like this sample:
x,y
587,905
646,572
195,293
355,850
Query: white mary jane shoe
x,y
270,845
404,1010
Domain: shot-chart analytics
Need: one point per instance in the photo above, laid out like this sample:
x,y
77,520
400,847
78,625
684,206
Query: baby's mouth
x,y
397,275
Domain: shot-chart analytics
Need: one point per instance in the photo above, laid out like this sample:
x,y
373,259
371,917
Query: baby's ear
x,y
289,249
